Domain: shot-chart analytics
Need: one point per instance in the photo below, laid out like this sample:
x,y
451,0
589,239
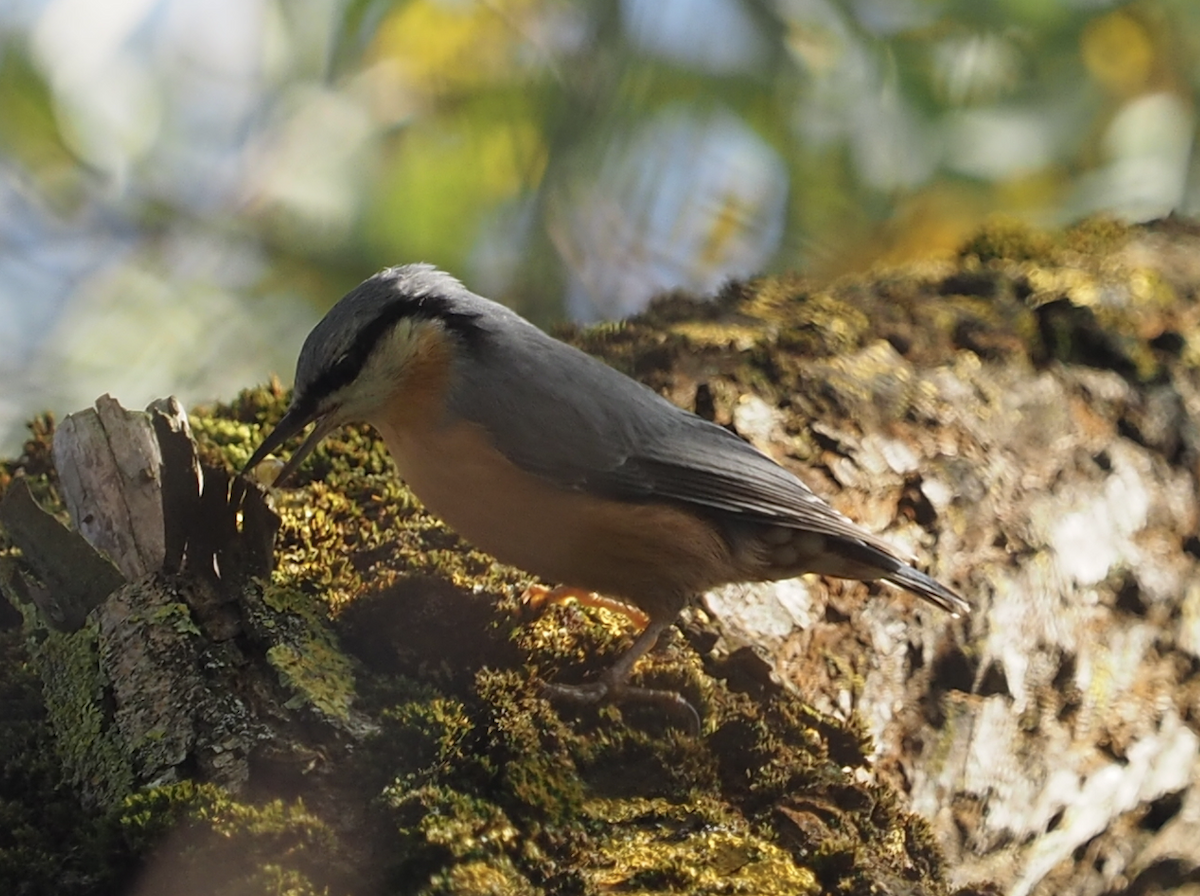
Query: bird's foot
x,y
538,596
603,691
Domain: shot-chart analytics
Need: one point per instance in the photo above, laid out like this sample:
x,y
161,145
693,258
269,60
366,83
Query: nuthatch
x,y
556,463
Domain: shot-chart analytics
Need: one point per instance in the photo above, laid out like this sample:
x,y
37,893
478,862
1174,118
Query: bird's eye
x,y
339,365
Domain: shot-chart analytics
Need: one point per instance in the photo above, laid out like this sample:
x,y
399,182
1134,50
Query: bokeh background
x,y
187,185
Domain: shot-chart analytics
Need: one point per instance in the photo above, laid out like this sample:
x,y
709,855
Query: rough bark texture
x,y
1028,416
1024,419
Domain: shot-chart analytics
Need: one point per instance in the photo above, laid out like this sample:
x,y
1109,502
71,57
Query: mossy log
x,y
323,690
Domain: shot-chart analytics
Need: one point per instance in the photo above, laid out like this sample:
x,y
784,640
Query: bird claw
x,y
602,691
582,694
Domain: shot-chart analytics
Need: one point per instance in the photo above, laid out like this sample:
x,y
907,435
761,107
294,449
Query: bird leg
x,y
612,685
538,596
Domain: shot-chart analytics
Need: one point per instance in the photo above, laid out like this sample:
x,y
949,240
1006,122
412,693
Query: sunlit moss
x,y
1095,238
1011,240
302,650
233,439
652,846
494,877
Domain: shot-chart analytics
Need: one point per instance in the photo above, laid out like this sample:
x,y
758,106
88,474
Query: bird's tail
x,y
929,588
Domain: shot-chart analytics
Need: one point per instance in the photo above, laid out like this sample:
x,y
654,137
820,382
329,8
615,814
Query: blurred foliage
x,y
223,171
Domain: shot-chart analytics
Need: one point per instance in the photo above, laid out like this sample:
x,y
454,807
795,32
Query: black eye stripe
x,y
347,367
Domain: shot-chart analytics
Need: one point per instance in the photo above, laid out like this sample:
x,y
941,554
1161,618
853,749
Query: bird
x,y
556,463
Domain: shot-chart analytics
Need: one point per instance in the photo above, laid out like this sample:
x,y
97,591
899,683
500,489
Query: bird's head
x,y
355,360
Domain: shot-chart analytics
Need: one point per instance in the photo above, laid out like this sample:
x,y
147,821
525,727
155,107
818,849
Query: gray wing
x,y
700,463
577,422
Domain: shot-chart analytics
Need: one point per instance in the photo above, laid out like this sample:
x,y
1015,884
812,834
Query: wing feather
x,y
706,465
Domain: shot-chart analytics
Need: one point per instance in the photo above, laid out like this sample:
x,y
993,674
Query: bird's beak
x,y
292,423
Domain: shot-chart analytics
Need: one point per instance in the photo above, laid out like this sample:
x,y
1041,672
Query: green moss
x,y
1010,240
304,651
50,844
1097,237
91,749
654,846
206,841
319,675
459,825
501,777
176,615
231,440
493,877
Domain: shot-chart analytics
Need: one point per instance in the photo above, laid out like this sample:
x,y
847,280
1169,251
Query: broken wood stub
x,y
71,577
147,631
110,473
